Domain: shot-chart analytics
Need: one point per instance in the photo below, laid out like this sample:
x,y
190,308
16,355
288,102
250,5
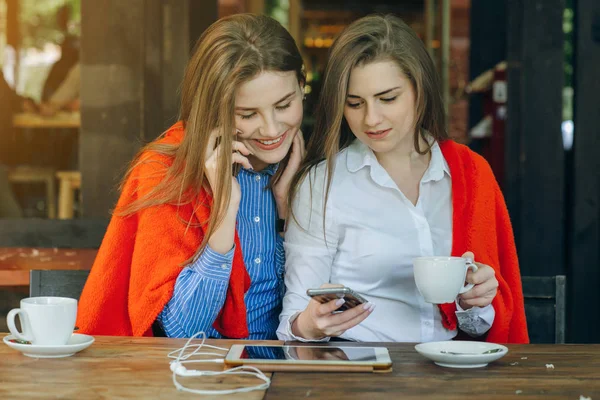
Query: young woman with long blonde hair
x,y
382,184
195,240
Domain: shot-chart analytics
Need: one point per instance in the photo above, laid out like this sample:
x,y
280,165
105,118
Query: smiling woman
x,y
214,184
267,124
381,185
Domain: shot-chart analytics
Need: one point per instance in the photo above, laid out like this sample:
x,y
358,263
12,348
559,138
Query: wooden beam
x,y
537,182
542,241
584,260
513,137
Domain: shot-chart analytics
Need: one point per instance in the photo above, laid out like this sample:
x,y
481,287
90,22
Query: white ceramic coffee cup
x,y
441,279
45,321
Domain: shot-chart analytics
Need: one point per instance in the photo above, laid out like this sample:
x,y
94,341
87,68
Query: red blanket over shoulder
x,y
480,223
140,258
134,273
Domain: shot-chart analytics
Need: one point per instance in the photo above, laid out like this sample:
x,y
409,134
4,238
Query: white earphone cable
x,y
182,357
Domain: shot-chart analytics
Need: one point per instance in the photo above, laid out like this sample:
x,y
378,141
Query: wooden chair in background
x,y
69,184
31,174
545,308
62,283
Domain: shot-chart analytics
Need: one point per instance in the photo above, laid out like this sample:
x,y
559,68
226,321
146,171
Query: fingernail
x,y
367,306
372,307
339,302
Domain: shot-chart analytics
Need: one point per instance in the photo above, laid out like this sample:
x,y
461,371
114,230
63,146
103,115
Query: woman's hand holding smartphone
x,y
326,294
319,320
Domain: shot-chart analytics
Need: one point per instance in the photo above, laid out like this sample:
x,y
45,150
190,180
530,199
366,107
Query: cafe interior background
x,y
520,81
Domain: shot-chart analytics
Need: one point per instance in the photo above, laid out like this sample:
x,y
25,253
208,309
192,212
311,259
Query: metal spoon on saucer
x,y
491,351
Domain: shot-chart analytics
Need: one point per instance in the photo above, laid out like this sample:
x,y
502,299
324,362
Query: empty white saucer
x,y
76,343
461,354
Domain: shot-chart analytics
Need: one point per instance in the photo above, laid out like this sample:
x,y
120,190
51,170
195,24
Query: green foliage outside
x,y
39,24
279,10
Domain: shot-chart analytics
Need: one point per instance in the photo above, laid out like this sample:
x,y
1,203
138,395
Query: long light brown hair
x,y
230,52
370,39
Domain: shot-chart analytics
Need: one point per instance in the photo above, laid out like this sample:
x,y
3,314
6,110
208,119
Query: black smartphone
x,y
324,295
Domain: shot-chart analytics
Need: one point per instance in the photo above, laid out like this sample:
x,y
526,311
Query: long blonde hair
x,y
230,52
369,39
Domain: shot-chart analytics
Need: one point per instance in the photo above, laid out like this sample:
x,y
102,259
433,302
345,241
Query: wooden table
x,y
16,262
60,120
521,374
138,368
112,368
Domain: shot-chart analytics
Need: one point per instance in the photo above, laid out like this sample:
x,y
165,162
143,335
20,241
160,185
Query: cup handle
x,y
469,266
10,320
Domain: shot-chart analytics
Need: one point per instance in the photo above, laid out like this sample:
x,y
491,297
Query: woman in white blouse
x,y
375,191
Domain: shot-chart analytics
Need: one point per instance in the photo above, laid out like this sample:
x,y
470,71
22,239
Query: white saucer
x,y
76,343
472,357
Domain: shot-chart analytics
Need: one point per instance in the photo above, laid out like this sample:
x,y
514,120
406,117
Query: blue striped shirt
x,y
201,287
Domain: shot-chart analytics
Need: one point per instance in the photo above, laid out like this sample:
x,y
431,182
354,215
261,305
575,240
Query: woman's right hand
x,y
239,156
222,239
318,321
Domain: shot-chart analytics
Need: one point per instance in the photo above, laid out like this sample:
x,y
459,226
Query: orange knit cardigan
x,y
140,258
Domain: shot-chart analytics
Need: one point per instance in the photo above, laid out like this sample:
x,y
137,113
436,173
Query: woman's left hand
x,y
282,187
485,289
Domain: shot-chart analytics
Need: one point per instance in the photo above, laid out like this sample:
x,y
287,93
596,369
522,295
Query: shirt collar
x,y
269,170
437,166
360,156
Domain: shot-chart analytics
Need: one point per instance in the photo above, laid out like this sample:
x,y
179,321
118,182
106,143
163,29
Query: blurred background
x,y
86,83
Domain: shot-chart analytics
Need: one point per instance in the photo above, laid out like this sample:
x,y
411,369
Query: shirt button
x,y
257,260
223,266
257,219
257,178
